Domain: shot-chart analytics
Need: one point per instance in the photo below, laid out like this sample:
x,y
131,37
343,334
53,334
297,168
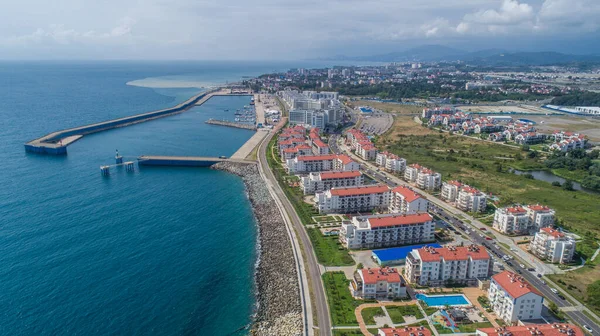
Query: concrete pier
x,y
251,127
56,143
184,161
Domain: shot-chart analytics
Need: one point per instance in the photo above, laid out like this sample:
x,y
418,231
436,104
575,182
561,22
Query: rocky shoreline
x,y
279,311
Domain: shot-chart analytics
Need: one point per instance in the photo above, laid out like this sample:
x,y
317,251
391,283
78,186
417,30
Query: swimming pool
x,y
442,300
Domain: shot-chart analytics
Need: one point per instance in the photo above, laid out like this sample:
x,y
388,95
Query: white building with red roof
x,y
408,331
513,299
316,163
387,230
427,179
540,216
299,150
471,200
512,220
322,181
353,199
378,283
366,150
430,266
553,246
548,329
407,201
411,172
450,190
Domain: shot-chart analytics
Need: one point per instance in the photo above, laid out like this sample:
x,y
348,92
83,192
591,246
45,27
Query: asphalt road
x,y
319,298
475,235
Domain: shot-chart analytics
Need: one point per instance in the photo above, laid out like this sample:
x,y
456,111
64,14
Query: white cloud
x,y
511,12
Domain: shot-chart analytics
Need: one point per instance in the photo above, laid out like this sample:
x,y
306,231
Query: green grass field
x,y
397,313
341,302
329,250
369,314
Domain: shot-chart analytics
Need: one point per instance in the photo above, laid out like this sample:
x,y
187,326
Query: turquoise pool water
x,y
443,300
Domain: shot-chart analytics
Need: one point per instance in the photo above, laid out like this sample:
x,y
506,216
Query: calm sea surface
x,y
162,251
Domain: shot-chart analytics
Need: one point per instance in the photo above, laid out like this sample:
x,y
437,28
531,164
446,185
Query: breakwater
x,y
279,310
185,161
56,143
231,124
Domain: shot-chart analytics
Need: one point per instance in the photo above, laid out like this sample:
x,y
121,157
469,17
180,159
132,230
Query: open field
x,y
568,122
329,250
485,166
491,109
341,302
368,314
389,107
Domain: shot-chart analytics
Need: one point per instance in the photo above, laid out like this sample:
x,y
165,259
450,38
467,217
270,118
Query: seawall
x,y
251,127
279,310
56,143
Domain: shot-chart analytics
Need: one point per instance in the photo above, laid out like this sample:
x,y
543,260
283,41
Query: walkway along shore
x,y
279,308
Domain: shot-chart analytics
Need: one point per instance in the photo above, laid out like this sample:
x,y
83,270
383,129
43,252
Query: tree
x,y
593,293
532,154
556,183
525,148
568,185
359,266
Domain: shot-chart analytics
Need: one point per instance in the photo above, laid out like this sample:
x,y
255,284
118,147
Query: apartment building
x,y
366,150
390,162
353,199
429,266
300,150
387,230
406,201
450,190
378,283
427,179
315,163
411,172
290,143
322,181
511,220
553,246
317,145
547,329
471,200
409,331
540,216
514,299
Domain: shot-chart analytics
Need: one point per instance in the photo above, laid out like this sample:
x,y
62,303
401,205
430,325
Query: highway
x,y
474,233
319,299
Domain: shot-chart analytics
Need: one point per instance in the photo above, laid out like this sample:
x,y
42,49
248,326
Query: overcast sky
x,y
288,29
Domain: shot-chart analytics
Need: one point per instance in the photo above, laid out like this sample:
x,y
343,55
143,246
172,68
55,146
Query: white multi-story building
x,y
321,181
427,179
547,329
553,246
290,153
366,151
511,220
387,230
353,199
540,216
390,162
315,163
407,201
378,283
429,266
411,172
513,299
450,190
471,200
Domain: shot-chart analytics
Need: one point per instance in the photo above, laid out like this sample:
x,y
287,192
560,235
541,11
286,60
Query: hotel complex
x,y
353,199
407,201
316,163
322,181
387,230
513,299
553,246
429,266
519,220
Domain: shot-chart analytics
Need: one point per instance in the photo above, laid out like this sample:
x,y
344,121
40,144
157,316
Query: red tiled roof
x,y
514,284
551,329
516,210
470,190
552,232
385,221
408,194
339,174
344,158
319,143
373,275
316,157
455,183
368,147
407,331
416,165
538,207
476,252
362,190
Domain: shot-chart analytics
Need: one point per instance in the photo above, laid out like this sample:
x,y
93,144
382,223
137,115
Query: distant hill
x,y
423,53
533,58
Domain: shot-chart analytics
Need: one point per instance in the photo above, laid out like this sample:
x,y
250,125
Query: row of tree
x,y
578,159
579,98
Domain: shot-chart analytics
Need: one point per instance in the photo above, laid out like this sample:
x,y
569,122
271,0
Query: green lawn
x,y
485,166
321,219
471,327
573,175
369,314
329,250
352,332
430,310
341,302
397,313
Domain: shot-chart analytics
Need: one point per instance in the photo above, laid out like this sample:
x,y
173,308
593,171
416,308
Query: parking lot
x,y
376,122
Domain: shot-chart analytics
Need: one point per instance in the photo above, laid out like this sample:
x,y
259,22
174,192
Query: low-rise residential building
x,y
412,331
450,190
390,162
427,179
353,199
366,151
546,329
317,145
429,266
411,172
321,181
511,220
378,283
513,299
387,230
471,200
315,163
407,201
540,216
553,246
300,150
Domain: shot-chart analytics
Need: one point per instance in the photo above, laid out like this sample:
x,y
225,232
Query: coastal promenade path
x,y
318,298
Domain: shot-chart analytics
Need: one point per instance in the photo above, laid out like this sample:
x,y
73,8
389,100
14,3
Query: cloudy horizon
x,y
270,29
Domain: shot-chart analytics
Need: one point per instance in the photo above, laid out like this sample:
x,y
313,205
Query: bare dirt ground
x,y
389,107
572,123
503,109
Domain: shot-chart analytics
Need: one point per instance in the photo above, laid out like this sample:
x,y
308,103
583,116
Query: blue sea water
x,y
162,251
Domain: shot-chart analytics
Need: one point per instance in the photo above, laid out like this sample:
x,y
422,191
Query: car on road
x,y
531,269
539,275
519,271
554,290
561,296
488,238
543,282
587,328
482,229
521,265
